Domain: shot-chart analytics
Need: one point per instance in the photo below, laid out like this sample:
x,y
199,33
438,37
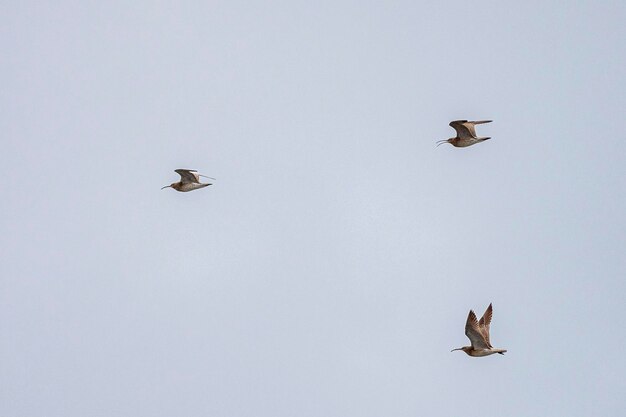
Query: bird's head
x,y
465,349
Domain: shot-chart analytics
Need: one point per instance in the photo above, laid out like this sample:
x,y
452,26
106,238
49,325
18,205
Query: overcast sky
x,y
330,268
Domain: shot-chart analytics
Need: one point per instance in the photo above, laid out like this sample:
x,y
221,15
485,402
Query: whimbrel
x,y
465,133
478,334
189,181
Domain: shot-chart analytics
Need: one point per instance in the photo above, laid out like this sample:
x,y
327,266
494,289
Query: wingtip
x,y
471,316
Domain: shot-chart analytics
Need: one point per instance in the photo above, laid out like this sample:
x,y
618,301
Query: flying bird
x,y
189,181
478,334
465,133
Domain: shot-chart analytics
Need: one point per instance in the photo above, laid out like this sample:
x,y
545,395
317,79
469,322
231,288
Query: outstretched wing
x,y
464,130
473,333
188,175
470,125
484,322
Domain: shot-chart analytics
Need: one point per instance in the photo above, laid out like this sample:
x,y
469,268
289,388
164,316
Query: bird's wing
x,y
464,129
473,333
484,322
188,175
470,125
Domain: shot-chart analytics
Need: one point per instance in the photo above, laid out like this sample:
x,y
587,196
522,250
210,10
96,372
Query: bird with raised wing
x,y
478,333
465,133
189,181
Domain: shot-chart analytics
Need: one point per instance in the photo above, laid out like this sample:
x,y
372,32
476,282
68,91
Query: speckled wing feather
x,y
463,129
188,175
484,322
473,333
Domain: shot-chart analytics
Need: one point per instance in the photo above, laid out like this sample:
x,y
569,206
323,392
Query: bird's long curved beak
x,y
167,186
440,142
456,349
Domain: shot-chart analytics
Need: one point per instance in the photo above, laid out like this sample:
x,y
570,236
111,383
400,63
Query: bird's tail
x,y
501,351
485,138
480,122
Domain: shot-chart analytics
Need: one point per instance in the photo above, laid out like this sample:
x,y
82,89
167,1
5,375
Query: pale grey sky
x,y
330,269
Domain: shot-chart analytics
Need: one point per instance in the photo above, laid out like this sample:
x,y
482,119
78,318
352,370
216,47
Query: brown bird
x,y
478,334
189,181
465,133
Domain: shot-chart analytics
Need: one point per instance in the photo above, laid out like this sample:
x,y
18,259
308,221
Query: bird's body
x,y
478,333
184,187
465,133
189,181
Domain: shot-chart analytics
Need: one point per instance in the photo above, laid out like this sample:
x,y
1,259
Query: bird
x,y
478,334
465,133
189,181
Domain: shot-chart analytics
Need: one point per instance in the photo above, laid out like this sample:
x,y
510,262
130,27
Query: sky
x,y
330,268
